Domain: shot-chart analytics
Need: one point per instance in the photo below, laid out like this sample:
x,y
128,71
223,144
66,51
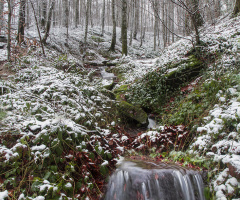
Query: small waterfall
x,y
145,181
152,123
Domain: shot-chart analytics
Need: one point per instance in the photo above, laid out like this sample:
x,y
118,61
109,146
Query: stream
x,y
141,180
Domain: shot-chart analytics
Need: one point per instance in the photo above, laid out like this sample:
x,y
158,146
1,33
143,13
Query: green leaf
x,y
47,175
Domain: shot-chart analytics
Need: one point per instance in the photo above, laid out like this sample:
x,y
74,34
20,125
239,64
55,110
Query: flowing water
x,y
151,181
152,123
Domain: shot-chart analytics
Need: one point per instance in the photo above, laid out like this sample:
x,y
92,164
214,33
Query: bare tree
x,y
156,14
44,14
21,21
136,18
66,15
1,15
87,20
49,21
9,3
77,13
236,10
36,21
114,35
193,11
103,16
124,28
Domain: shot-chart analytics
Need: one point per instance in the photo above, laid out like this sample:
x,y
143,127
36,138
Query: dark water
x,y
150,181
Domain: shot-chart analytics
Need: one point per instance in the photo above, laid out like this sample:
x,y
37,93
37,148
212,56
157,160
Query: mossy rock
x,y
108,93
190,69
133,112
110,86
122,89
157,87
126,109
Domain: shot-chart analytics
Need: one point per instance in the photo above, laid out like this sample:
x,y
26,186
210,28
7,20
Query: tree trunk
x,y
77,14
141,37
103,17
155,8
39,34
27,17
132,21
112,48
172,21
217,8
44,14
49,21
87,19
21,21
136,19
66,16
90,14
236,10
1,16
163,24
124,28
195,12
9,30
66,13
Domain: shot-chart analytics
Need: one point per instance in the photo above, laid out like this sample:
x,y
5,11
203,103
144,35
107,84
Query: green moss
x,y
2,115
128,110
108,93
122,89
155,89
133,112
110,86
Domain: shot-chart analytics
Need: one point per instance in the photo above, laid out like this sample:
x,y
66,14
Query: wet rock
x,y
133,112
129,110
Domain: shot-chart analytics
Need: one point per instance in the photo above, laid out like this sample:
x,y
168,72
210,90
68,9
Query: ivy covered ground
x,y
62,132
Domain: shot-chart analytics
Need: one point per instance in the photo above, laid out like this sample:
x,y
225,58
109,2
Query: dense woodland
x,y
168,20
82,81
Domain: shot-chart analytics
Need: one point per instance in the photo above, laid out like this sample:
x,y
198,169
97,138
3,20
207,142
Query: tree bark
x,y
44,14
163,24
217,8
39,34
77,14
21,21
132,21
86,21
9,30
155,24
66,13
236,10
113,43
124,28
49,21
136,19
1,16
103,17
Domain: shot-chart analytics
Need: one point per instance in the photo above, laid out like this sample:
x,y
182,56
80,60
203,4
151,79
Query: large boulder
x,y
133,112
127,109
